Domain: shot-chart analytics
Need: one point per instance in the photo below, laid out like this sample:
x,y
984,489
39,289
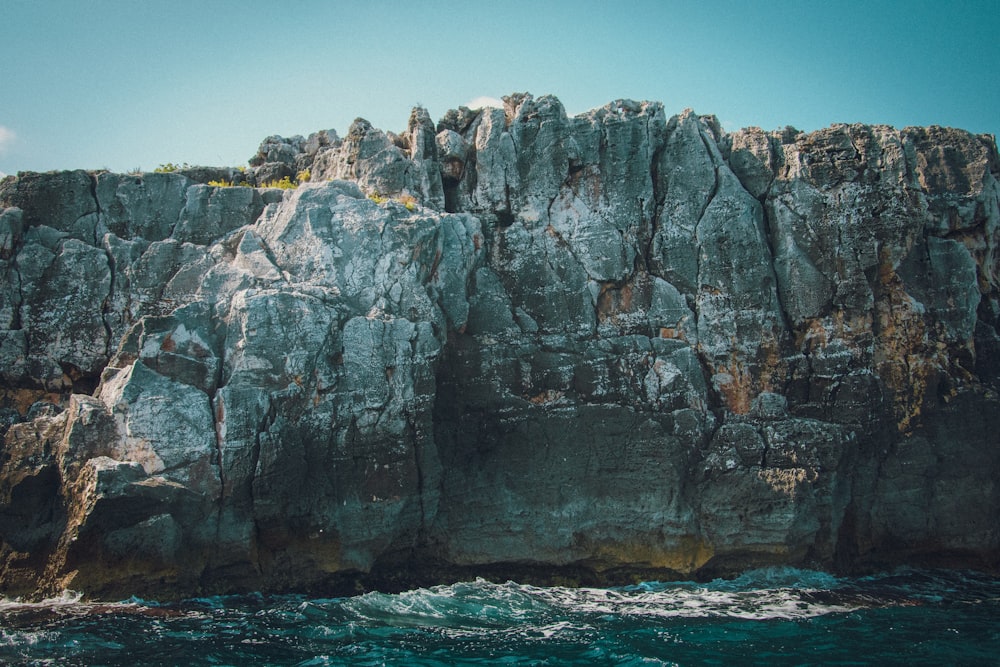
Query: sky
x,y
126,85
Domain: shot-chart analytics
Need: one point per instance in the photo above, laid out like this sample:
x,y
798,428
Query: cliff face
x,y
597,347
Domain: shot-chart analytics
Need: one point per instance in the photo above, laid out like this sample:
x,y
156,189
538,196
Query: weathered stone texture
x,y
598,347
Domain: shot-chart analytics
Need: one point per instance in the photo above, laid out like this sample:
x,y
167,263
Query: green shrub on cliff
x,y
407,200
170,167
284,184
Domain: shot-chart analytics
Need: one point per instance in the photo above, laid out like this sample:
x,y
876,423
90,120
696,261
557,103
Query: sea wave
x,y
785,593
772,615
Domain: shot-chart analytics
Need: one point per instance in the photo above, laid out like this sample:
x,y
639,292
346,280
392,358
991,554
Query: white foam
x,y
782,603
63,599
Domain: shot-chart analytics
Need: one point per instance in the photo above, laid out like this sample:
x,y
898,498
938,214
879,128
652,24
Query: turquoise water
x,y
767,617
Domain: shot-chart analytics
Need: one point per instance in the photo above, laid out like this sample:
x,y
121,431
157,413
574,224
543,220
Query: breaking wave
x,y
774,616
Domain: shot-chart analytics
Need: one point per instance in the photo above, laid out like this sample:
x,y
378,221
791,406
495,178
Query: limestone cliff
x,y
515,343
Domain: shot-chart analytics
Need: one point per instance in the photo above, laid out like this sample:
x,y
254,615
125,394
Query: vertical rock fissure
x,y
271,257
112,271
715,400
218,410
419,470
505,218
765,450
659,197
17,318
217,420
769,235
106,306
715,183
266,422
180,215
697,225
97,207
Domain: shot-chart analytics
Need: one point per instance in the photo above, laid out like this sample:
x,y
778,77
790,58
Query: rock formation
x,y
514,344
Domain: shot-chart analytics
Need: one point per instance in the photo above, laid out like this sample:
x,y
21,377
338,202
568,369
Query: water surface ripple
x,y
776,616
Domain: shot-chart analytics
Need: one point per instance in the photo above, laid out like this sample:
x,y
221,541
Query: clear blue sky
x,y
124,84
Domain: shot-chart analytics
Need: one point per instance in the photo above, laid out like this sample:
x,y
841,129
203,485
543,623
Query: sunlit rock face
x,y
514,344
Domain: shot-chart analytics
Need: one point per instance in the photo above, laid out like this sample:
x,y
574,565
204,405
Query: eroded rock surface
x,y
516,343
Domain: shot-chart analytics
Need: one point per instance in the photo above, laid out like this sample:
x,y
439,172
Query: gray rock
x,y
64,293
952,168
165,426
497,178
63,200
273,172
752,158
687,181
211,212
517,343
142,205
453,151
185,346
317,141
941,275
206,175
369,157
11,231
280,150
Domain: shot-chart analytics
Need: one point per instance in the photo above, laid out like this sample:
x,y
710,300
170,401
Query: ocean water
x,y
767,617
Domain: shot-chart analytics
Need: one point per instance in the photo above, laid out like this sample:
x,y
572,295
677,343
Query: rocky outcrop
x,y
516,343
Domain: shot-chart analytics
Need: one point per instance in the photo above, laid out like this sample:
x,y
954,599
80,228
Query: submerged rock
x,y
516,343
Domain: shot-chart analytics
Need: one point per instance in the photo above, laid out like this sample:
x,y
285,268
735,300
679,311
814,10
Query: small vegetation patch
x,y
284,184
170,167
407,200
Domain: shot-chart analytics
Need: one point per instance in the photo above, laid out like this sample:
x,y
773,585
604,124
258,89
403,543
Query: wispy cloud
x,y
7,137
484,101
